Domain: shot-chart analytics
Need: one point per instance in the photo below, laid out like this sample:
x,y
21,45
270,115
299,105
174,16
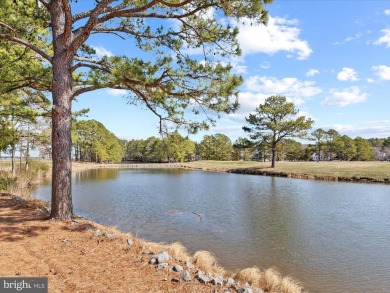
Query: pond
x,y
334,237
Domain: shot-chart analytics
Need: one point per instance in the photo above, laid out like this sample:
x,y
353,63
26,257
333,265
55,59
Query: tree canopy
x,y
168,80
275,120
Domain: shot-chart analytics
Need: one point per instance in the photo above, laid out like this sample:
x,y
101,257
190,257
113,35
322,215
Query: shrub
x,y
38,165
6,181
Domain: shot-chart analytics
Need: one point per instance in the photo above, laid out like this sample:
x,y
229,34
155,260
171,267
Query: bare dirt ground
x,y
73,259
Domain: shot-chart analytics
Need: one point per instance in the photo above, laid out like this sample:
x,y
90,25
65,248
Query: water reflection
x,y
335,237
92,175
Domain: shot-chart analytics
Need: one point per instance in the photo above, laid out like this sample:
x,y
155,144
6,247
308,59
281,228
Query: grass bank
x,y
377,170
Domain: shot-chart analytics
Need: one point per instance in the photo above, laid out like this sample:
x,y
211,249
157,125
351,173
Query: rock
x,y
258,291
162,257
110,235
175,280
186,276
218,281
162,265
74,223
130,242
152,261
189,264
147,252
177,268
246,285
244,290
97,233
230,281
202,278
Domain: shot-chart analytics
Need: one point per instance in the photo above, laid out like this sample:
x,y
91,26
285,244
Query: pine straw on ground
x,y
73,260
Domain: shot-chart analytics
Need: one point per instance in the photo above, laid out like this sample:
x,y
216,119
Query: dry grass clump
x,y
250,275
178,251
23,202
269,281
205,260
289,285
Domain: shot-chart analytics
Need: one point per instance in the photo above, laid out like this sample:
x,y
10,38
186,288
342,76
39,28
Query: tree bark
x,y
13,163
273,155
20,159
61,201
319,155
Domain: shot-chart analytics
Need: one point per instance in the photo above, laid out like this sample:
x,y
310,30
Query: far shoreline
x,y
355,172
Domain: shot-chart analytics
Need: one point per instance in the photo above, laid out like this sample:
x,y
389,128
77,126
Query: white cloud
x,y
258,88
116,92
101,52
312,72
290,87
374,128
240,69
370,80
347,74
342,98
382,71
265,65
226,128
280,34
385,39
238,65
248,102
387,12
349,39
306,114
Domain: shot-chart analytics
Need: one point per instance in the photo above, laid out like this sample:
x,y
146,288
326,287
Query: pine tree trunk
x,y
319,155
273,156
27,155
61,202
20,160
13,163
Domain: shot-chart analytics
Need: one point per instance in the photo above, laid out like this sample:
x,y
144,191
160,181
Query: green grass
x,y
372,169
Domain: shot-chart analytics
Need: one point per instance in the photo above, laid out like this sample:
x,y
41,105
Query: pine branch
x,y
28,45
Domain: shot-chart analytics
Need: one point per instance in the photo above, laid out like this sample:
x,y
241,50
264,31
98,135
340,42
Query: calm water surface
x,y
334,237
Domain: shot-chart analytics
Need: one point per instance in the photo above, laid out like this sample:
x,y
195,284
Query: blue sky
x,y
331,58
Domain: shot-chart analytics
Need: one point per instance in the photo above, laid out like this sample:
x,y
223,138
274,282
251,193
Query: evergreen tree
x,y
275,120
166,82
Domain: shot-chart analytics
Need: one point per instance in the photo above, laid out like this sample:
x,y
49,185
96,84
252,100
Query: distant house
x,y
380,154
323,157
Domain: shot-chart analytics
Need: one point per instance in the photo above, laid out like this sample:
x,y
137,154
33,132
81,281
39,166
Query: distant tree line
x,y
24,126
23,122
92,142
219,147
